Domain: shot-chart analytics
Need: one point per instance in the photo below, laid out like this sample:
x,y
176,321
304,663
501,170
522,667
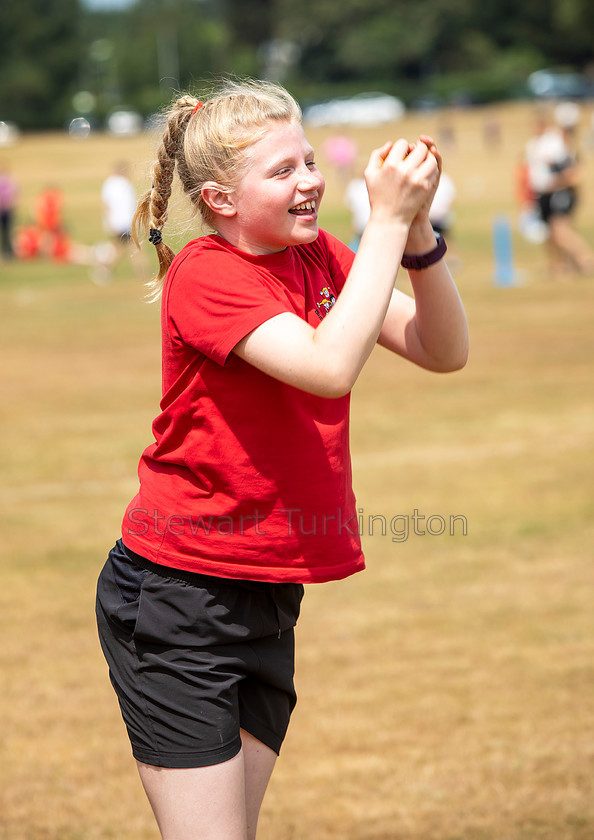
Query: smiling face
x,y
276,203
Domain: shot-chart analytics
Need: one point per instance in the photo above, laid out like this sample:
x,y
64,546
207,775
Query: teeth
x,y
307,205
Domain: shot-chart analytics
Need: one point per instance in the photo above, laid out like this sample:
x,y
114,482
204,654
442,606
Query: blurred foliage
x,y
139,56
40,54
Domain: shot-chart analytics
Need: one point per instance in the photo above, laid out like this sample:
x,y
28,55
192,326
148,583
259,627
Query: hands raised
x,y
402,179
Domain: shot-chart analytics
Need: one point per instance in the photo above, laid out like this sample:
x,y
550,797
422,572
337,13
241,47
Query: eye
x,y
311,164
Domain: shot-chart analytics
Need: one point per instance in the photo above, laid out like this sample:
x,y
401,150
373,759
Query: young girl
x,y
246,495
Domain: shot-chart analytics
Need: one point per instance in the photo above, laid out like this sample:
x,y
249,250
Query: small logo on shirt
x,y
326,302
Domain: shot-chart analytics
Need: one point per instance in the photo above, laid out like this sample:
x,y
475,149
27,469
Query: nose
x,y
310,179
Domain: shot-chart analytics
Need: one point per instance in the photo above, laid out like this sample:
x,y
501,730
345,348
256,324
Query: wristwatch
x,y
416,262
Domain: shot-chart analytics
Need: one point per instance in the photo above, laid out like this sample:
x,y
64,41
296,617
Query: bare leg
x,y
221,802
259,762
558,263
202,802
570,243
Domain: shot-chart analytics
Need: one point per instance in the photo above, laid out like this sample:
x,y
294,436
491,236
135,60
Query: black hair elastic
x,y
155,236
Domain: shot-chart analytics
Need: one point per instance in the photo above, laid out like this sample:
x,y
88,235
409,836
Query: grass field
x,y
447,693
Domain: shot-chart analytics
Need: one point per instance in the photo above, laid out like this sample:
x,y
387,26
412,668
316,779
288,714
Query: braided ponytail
x,y
152,210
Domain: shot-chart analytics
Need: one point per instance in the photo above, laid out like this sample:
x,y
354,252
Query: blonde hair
x,y
207,141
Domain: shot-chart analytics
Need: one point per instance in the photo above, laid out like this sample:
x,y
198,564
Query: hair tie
x,y
155,236
197,106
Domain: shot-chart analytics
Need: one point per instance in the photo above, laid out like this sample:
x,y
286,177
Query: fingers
x,y
428,141
422,156
378,156
402,177
398,150
430,144
401,150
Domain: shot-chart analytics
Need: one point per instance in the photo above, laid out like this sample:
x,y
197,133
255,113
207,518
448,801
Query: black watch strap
x,y
415,262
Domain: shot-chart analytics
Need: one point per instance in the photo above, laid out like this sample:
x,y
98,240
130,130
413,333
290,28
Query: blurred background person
x,y
357,200
49,209
441,214
554,176
530,223
8,200
119,204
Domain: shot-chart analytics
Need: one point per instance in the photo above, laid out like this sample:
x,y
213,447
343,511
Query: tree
x,y
139,56
39,61
156,48
491,45
365,40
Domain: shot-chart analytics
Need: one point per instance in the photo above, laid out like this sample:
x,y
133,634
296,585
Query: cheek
x,y
322,186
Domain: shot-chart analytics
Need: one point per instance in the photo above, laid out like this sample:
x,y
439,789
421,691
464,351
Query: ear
x,y
218,198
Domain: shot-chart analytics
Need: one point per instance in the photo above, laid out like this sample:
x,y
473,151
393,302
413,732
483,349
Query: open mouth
x,y
307,208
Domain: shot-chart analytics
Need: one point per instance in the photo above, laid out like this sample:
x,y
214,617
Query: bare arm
x,y
327,360
429,329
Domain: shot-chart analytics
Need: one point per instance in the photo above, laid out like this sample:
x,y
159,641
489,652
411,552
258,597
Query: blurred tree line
x,y
64,59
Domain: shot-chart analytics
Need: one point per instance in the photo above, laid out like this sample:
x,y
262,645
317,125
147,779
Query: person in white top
x,y
119,203
357,200
441,213
554,176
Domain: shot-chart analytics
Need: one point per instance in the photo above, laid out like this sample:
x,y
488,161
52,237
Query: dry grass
x,y
446,693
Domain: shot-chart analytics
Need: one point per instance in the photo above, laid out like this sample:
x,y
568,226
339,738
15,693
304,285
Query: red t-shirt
x,y
248,477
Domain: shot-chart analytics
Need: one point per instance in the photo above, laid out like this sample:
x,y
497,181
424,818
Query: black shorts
x,y
194,658
558,203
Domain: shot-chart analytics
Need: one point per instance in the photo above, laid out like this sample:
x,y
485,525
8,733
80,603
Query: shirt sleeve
x,y
213,299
